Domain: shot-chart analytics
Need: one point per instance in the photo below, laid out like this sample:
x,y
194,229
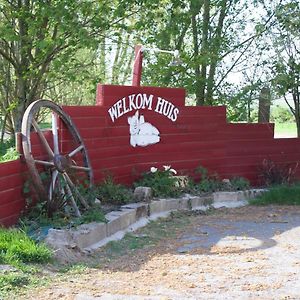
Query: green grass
x,y
22,253
16,247
285,129
8,151
280,195
147,236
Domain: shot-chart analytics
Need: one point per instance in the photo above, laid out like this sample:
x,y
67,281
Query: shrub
x,y
162,182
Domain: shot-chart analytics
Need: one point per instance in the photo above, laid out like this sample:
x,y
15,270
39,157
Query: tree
x,y
40,39
216,39
286,42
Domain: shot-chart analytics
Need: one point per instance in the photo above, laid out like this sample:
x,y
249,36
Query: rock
x,y
181,181
142,194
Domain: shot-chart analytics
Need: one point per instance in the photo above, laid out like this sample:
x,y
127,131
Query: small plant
x,y
208,183
239,183
162,182
274,174
110,192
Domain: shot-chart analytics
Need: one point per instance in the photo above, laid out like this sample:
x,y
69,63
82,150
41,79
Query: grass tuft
x,y
280,195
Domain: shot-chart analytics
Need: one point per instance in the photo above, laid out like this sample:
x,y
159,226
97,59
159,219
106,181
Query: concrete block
x,y
88,234
119,220
225,196
197,202
167,205
142,209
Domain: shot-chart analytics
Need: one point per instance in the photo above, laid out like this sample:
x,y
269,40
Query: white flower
x,y
167,168
153,169
173,171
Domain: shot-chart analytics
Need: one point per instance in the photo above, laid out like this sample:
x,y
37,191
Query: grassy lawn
x,y
285,130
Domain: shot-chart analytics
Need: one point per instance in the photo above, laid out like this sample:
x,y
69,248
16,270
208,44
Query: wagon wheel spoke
x,y
52,184
79,148
42,138
80,168
45,163
72,200
75,190
55,134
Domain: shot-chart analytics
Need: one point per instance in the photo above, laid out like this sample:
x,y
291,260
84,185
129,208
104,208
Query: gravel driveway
x,y
242,253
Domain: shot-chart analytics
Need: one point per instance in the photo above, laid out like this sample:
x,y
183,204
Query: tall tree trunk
x,y
215,54
204,54
264,105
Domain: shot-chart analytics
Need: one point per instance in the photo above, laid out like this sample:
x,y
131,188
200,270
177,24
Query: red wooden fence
x,y
189,137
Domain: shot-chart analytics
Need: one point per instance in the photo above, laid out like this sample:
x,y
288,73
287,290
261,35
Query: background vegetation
x,y
229,49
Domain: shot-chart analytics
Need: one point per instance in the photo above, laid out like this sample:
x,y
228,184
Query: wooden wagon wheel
x,y
67,169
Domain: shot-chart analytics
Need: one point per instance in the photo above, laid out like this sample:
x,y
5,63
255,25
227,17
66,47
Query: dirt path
x,y
244,253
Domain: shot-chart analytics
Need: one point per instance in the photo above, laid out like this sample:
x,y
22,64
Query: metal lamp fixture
x,y
176,61
137,67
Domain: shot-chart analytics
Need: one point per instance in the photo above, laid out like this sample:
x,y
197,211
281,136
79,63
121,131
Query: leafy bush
x,y
281,195
110,192
16,246
162,182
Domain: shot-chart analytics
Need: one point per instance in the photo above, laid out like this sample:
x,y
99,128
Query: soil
x,y
243,253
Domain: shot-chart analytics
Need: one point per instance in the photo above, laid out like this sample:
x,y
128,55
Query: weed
x,y
208,183
281,195
239,183
274,174
110,192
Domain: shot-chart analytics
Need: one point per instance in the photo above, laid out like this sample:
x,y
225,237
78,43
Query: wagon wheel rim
x,y
61,164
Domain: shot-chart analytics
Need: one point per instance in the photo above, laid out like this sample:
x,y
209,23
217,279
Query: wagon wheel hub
x,y
62,162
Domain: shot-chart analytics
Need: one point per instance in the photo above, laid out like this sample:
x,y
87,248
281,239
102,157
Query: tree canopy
x,y
230,50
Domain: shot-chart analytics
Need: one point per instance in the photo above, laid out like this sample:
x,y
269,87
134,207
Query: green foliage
x,y
280,195
110,192
162,182
281,114
8,151
239,183
16,246
207,183
212,183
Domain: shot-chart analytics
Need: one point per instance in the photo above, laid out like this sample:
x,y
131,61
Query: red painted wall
x,y
199,136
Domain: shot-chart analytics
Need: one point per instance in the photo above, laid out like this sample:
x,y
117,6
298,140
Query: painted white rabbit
x,y
142,133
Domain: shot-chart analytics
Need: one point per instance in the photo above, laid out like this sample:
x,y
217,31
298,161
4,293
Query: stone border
x,y
70,244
